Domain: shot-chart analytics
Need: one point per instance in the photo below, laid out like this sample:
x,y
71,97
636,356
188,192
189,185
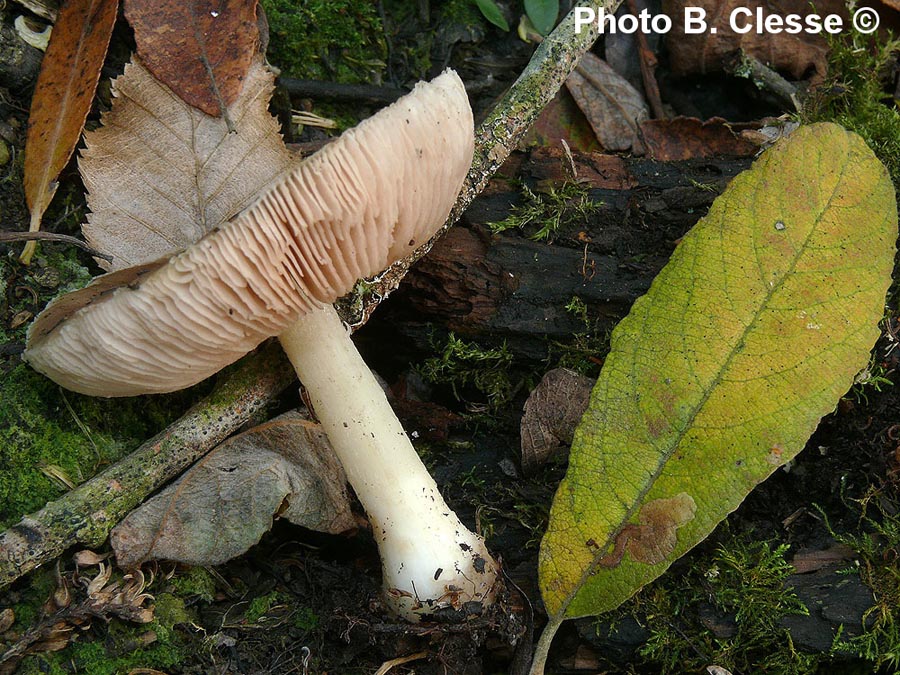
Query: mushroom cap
x,y
347,212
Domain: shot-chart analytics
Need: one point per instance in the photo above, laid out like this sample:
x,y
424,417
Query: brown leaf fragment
x,y
7,619
226,502
691,138
161,174
201,49
562,119
552,412
611,104
62,98
801,55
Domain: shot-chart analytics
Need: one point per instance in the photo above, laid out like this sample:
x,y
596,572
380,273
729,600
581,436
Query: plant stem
x,y
429,558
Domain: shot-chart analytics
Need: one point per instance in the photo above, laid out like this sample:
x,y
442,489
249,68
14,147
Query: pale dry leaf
x,y
227,501
161,174
613,107
552,412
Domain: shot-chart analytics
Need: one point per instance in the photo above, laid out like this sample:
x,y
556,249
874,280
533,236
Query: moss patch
x,y
333,40
856,98
742,582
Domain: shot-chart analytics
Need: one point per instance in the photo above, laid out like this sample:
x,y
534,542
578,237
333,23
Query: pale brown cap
x,y
347,212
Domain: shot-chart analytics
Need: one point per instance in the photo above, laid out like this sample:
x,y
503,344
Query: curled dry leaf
x,y
161,174
201,49
800,55
613,107
62,98
88,558
226,502
552,412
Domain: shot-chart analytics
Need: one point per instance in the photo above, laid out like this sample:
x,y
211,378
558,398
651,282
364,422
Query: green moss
x,y
743,579
466,365
260,606
583,352
878,546
29,607
335,40
855,98
51,439
117,647
306,619
542,214
195,582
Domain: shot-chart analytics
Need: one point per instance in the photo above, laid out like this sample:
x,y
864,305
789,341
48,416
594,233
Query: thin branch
x,y
552,62
87,514
52,236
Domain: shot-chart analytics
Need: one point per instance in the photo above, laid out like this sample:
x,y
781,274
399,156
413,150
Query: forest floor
x,y
803,578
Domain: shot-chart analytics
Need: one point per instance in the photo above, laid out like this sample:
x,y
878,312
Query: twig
x,y
52,236
742,64
87,514
553,61
647,60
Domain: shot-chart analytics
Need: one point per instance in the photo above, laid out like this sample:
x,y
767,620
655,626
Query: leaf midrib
x,y
771,292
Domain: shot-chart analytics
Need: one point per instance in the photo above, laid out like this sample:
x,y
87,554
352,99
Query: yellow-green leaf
x,y
719,375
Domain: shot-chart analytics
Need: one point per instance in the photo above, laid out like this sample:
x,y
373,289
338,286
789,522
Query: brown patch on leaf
x,y
691,138
201,49
552,412
655,537
63,95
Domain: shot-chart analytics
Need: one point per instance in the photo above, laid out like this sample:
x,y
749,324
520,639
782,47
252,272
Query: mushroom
x,y
347,212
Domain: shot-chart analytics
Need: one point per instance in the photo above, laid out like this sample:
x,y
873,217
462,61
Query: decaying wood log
x,y
511,288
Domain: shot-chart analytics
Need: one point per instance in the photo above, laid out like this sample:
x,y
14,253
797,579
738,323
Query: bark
x,y
507,287
495,138
86,514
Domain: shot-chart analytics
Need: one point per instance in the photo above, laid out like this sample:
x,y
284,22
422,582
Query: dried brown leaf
x,y
691,138
552,412
226,502
800,55
161,174
201,49
613,107
62,98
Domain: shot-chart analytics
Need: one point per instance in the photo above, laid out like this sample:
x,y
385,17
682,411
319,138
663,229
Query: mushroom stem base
x,y
429,558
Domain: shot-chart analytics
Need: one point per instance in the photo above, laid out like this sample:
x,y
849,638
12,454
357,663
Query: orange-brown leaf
x,y
63,95
200,49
